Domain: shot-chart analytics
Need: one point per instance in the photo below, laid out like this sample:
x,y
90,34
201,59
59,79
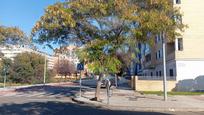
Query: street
x,y
56,100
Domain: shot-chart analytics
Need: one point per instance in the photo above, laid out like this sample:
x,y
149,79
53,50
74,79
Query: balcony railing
x,y
156,77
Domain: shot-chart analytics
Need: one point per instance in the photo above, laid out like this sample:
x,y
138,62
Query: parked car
x,y
111,78
89,82
127,76
92,81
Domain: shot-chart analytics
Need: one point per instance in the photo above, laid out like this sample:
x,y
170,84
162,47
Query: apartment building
x,y
185,55
67,53
10,51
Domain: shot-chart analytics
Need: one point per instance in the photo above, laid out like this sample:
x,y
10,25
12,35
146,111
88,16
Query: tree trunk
x,y
65,78
98,88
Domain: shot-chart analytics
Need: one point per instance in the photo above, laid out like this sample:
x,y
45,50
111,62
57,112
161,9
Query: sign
x,y
80,66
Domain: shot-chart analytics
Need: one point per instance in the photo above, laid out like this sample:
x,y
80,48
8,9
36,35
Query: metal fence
x,y
156,77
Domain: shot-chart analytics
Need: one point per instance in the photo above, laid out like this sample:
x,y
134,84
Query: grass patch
x,y
172,93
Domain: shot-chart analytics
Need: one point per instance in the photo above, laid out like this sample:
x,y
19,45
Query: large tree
x,y
106,27
12,35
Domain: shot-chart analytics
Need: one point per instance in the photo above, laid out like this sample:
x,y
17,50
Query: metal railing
x,y
156,77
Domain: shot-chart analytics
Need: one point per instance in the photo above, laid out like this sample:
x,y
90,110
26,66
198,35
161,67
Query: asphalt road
x,y
56,100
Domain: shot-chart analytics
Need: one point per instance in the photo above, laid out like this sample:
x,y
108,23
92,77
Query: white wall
x,y
189,69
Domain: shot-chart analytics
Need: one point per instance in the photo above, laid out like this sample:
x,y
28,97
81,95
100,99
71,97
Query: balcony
x,y
148,63
170,51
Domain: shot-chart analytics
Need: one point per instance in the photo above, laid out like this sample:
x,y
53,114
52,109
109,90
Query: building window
x,y
140,66
151,74
160,73
178,1
159,54
156,56
148,57
171,72
157,38
180,44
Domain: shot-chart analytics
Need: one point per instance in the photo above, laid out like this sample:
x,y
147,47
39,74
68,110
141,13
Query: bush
x,y
26,68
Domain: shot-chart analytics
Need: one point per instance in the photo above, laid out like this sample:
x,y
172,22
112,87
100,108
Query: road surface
x,y
56,100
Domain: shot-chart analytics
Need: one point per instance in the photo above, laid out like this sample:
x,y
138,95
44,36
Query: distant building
x,y
67,53
11,51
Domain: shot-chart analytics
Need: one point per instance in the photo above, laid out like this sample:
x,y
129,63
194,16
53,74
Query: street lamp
x,y
45,68
164,67
5,72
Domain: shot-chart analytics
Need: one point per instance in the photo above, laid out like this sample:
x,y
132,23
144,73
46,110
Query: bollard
x,y
5,77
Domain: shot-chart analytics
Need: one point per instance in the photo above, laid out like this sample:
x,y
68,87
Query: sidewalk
x,y
123,99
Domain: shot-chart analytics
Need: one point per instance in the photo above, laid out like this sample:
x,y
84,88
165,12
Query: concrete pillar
x,y
135,83
132,82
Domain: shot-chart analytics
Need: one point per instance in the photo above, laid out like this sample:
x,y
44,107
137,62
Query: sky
x,y
23,14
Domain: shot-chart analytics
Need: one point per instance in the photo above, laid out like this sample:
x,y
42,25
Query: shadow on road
x,y
66,91
59,108
50,90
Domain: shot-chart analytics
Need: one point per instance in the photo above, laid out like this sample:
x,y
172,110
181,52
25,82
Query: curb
x,y
134,108
96,104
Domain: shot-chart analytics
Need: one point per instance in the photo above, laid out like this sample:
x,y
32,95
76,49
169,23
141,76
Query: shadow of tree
x,y
51,90
62,108
55,90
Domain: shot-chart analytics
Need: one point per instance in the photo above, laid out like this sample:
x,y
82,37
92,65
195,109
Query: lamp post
x,y
5,71
5,80
45,69
164,67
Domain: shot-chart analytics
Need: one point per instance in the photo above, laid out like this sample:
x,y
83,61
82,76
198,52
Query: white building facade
x,y
184,56
11,51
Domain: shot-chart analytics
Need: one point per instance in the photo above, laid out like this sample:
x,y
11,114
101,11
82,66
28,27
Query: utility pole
x,y
5,71
164,67
45,69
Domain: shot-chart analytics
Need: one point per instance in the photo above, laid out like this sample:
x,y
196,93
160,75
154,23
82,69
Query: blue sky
x,y
23,13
